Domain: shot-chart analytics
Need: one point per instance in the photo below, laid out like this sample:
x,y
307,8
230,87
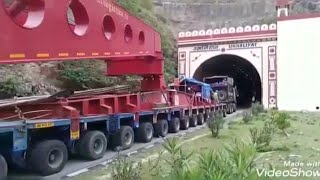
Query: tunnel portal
x,y
245,75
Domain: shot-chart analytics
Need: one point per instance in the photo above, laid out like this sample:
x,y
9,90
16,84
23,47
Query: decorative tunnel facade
x,y
246,78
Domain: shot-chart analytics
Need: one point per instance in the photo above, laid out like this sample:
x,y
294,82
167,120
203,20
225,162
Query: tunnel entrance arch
x,y
245,75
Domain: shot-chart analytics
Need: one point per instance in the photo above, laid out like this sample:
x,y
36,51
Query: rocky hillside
x,y
185,15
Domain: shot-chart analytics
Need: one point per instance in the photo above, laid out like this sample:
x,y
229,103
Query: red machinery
x,y
38,31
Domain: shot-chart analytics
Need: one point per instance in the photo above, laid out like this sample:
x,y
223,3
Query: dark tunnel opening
x,y
245,76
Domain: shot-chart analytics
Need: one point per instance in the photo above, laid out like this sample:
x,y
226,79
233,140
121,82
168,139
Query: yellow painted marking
x,y
126,53
107,53
75,135
117,53
81,54
43,55
95,54
44,125
17,55
63,54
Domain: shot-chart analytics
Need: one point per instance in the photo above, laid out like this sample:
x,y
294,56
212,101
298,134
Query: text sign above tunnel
x,y
211,47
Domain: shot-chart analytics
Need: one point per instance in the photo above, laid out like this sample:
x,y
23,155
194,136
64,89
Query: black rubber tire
x,y
200,118
161,129
224,113
144,133
193,120
3,168
38,157
92,145
174,125
124,138
185,123
229,108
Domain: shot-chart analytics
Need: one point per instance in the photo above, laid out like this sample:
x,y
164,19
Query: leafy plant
x,y
242,156
232,162
12,87
281,120
247,117
257,108
262,137
123,169
215,124
80,75
178,160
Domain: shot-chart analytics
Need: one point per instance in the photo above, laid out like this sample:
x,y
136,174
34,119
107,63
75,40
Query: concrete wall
x,y
299,64
258,56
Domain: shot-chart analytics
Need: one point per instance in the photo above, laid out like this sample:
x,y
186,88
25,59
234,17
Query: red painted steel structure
x,y
38,30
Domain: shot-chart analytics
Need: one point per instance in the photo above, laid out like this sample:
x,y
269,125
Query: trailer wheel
x,y
193,120
185,122
92,145
200,119
224,114
3,168
234,107
124,138
161,128
48,157
229,108
174,125
144,132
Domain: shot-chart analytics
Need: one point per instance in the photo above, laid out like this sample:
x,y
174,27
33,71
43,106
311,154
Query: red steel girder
x,y
40,30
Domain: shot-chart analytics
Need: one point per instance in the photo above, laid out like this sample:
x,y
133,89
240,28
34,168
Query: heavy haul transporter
x,y
40,134
227,92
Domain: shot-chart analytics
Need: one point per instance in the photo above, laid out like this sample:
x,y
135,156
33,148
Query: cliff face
x,y
188,15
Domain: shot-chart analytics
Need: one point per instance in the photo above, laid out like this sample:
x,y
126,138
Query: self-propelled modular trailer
x,y
41,134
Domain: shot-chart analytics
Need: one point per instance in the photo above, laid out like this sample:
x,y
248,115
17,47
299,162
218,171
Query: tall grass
x,y
257,108
231,162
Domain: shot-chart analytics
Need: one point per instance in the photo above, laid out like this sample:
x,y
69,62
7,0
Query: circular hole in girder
x,y
128,35
78,18
26,13
141,37
108,26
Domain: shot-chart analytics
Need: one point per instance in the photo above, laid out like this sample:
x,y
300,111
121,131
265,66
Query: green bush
x,y
122,169
12,87
257,108
281,120
247,117
231,162
215,124
262,137
87,74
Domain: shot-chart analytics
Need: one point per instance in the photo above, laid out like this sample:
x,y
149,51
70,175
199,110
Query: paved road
x,y
75,167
